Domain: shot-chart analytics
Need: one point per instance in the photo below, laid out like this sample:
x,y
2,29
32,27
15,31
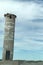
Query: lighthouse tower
x,y
9,36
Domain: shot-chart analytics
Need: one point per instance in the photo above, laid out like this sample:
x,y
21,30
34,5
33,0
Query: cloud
x,y
37,20
40,40
22,9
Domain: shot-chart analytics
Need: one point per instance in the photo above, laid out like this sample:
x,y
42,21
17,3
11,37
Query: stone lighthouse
x,y
8,45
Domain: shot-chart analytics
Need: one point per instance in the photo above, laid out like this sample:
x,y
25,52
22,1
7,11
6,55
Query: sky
x,y
28,42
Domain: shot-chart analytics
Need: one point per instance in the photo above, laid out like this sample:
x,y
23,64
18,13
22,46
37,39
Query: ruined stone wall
x,y
15,62
31,63
8,62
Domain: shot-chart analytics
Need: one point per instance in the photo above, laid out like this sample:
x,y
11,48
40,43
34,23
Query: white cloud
x,y
28,44
24,10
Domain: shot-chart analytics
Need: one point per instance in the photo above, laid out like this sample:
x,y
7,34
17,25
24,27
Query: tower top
x,y
10,15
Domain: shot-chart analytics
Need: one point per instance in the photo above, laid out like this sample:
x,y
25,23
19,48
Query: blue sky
x,y
28,43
